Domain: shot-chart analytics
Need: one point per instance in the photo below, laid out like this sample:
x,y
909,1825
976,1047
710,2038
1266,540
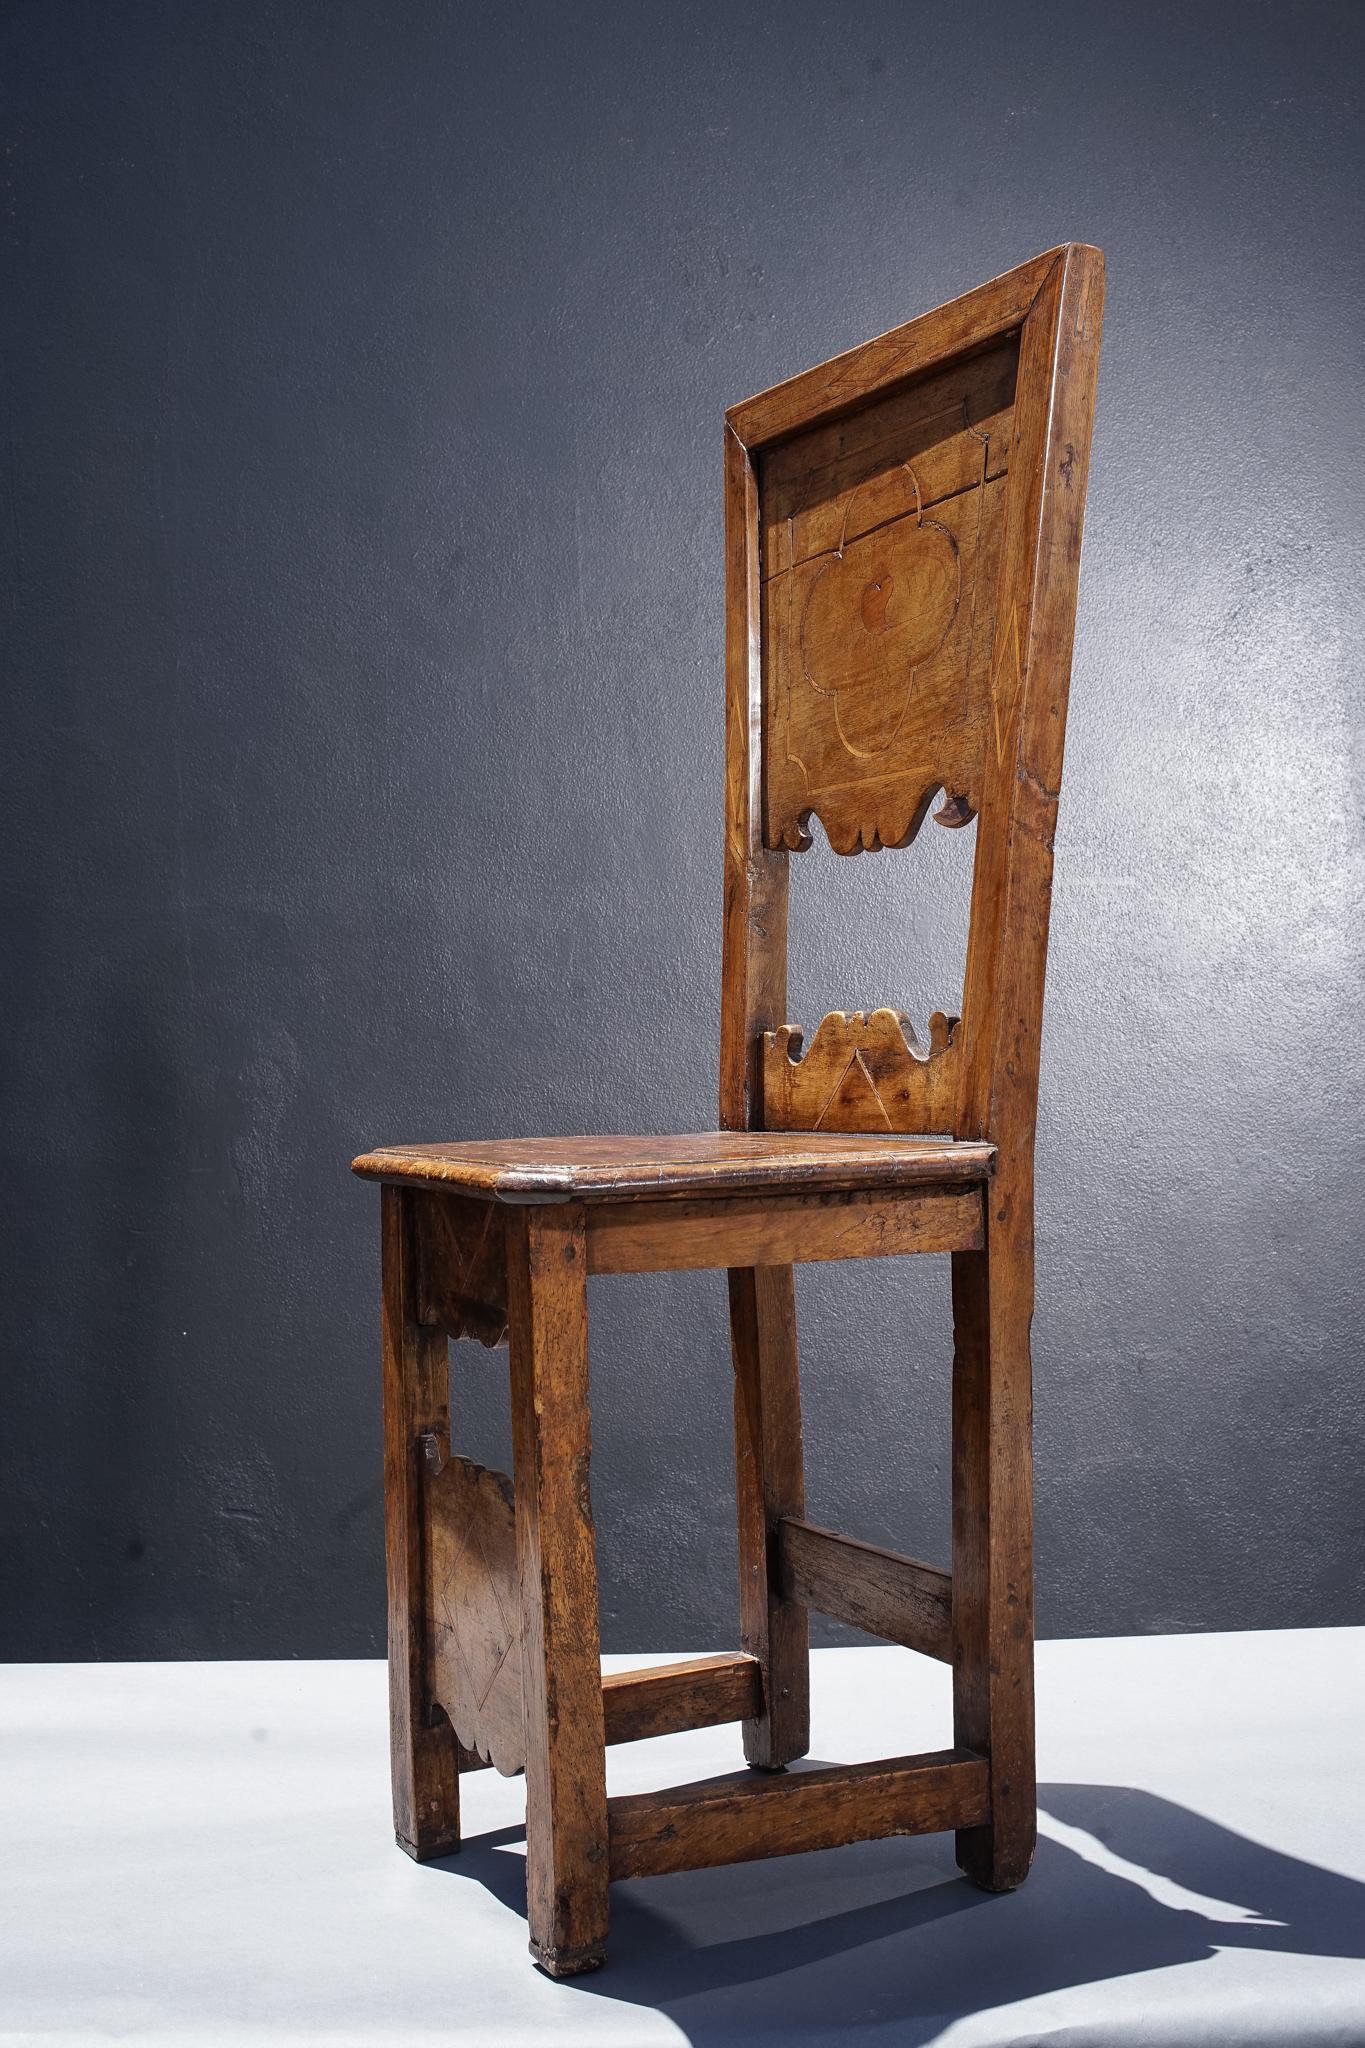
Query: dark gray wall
x,y
363,619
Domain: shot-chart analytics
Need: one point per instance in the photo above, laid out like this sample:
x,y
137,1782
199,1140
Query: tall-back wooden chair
x,y
903,531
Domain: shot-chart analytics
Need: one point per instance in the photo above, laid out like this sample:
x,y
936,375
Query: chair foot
x,y
568,1962
992,1865
443,1842
995,1886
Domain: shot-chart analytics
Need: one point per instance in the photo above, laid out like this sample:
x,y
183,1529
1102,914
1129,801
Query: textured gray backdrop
x,y
363,573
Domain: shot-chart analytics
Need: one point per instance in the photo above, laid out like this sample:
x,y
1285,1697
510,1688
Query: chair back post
x,y
754,949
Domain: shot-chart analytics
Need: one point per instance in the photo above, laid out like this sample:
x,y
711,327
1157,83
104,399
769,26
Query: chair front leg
x,y
993,1551
423,1755
566,1791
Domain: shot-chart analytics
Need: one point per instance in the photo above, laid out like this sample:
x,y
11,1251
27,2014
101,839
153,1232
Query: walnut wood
x,y
769,1485
962,327
425,1768
666,1699
1007,943
877,638
902,540
769,1476
875,1590
993,1289
566,1790
524,1170
993,1562
753,979
670,1237
699,1692
462,1266
474,1606
863,1074
731,1820
805,505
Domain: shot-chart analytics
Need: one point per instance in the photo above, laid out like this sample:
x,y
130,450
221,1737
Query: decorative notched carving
x,y
881,548
954,811
462,1266
473,1604
862,1073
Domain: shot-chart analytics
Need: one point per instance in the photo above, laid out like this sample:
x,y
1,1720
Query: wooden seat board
x,y
703,1162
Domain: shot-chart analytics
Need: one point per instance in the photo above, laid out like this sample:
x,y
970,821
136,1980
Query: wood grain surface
x,y
423,1757
528,1170
461,1249
902,546
566,1788
863,1073
730,1820
474,1610
878,1591
778,1230
877,635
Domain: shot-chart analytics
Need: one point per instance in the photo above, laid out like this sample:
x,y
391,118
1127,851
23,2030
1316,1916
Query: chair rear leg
x,y
770,1483
993,1553
423,1753
566,1787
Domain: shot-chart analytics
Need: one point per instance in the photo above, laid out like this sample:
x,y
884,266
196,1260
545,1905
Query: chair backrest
x,y
903,530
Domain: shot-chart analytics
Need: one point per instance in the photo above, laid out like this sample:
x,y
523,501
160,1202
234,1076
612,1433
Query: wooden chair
x,y
903,531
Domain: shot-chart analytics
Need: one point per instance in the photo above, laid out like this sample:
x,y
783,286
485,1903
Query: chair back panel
x,y
880,556
903,538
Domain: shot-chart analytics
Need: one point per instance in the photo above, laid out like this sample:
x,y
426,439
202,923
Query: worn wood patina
x,y
903,531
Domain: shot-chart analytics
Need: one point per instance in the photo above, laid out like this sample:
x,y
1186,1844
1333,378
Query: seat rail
x,y
781,1230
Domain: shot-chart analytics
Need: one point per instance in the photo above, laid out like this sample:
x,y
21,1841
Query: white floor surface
x,y
201,1853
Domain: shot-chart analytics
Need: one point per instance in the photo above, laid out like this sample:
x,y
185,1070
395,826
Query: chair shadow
x,y
887,1933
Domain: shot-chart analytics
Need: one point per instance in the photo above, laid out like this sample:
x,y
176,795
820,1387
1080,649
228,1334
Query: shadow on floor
x,y
887,1935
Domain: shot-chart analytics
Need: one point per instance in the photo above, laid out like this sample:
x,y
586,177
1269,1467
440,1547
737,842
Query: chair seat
x,y
696,1163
